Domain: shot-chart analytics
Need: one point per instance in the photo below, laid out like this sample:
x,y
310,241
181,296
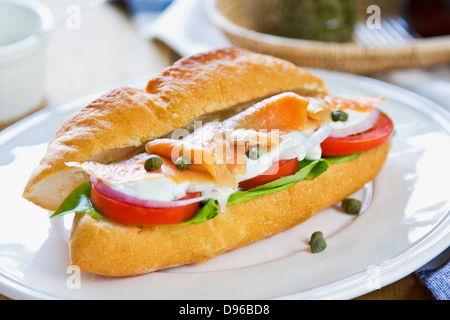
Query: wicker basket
x,y
241,21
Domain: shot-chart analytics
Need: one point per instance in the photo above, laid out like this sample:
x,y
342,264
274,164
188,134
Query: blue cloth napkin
x,y
435,275
181,24
139,6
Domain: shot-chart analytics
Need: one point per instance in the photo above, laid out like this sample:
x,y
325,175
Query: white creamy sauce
x,y
165,189
288,142
354,118
162,189
314,153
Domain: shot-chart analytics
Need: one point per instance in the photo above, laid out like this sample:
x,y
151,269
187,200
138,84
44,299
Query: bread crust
x,y
128,117
111,249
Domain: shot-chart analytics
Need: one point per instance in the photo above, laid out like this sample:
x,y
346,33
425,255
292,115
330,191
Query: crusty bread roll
x,y
108,248
119,123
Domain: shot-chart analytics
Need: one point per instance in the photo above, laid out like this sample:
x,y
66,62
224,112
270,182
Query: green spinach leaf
x,y
340,159
308,170
205,213
78,201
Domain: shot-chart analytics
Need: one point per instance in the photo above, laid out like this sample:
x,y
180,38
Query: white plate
x,y
405,226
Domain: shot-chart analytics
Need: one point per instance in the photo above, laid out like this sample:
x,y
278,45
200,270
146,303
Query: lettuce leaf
x,y
205,213
78,201
340,159
308,170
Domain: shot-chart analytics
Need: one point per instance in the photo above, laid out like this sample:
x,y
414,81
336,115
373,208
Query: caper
x,y
339,115
153,163
351,206
315,235
253,153
183,163
317,242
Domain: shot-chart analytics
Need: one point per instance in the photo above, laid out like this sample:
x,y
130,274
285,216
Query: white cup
x,y
24,26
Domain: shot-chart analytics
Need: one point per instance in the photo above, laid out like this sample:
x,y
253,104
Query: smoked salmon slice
x,y
284,112
320,105
132,170
220,147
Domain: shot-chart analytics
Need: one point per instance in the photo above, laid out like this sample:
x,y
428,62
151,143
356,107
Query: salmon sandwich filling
x,y
223,162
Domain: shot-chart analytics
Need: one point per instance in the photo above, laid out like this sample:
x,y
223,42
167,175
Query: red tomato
x,y
378,135
127,213
278,170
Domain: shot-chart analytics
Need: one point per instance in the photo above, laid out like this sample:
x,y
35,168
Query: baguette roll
x,y
208,86
111,249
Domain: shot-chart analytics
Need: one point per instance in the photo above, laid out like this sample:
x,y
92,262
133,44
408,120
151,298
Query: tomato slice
x,y
127,213
376,136
278,170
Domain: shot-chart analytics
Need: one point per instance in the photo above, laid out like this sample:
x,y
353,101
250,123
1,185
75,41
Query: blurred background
x,y
88,45
94,44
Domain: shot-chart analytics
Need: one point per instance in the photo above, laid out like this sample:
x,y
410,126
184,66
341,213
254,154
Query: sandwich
x,y
220,150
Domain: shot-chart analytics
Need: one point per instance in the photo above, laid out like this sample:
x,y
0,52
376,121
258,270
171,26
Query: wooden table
x,y
105,51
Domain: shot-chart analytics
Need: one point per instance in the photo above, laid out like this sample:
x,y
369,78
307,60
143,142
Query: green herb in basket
x,y
319,20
